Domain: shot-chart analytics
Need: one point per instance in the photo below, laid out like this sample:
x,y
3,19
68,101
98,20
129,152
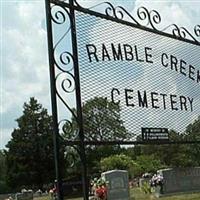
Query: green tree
x,y
132,151
96,153
120,162
3,165
172,155
137,167
30,158
101,121
192,133
3,186
148,163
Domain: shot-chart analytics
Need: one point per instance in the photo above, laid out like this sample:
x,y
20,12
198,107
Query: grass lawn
x,y
141,196
136,194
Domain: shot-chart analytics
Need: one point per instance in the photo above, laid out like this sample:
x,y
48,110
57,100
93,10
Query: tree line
x,y
28,160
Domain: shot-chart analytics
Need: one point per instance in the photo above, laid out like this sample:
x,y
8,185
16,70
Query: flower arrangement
x,y
156,180
100,188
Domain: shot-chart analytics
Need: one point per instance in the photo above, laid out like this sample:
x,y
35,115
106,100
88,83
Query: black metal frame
x,y
66,9
151,17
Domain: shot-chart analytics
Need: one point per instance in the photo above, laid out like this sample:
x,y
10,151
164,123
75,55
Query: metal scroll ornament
x,y
147,18
64,67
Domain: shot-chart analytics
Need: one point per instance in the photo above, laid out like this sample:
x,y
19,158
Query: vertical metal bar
x,y
78,101
53,99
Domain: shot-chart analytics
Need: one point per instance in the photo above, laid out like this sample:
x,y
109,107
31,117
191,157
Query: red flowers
x,y
99,186
101,192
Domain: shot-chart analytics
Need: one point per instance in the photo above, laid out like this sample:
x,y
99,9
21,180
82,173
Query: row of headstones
x,y
175,181
178,180
25,195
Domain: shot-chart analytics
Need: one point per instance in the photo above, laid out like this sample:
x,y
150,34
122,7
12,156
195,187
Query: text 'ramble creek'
x,y
127,52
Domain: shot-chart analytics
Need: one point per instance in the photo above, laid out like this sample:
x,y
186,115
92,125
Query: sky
x,y
24,69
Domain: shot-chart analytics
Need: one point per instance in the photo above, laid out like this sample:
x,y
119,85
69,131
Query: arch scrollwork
x,y
69,129
64,70
152,17
58,14
197,30
72,155
147,18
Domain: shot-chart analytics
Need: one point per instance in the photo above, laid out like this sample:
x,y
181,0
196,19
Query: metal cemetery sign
x,y
152,134
153,78
116,81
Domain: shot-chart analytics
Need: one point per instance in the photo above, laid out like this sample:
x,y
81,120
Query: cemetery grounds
x,y
137,194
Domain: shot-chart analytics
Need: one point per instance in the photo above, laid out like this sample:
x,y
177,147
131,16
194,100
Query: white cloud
x,y
182,13
25,71
5,137
24,60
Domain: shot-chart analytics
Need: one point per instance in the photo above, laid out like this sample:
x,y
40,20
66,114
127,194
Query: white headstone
x,y
118,184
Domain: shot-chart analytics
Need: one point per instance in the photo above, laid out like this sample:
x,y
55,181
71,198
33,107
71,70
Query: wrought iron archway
x,y
64,69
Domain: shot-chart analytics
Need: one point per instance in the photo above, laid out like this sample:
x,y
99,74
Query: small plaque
x,y
152,134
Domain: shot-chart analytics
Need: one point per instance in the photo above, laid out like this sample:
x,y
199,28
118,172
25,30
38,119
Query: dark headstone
x,y
180,180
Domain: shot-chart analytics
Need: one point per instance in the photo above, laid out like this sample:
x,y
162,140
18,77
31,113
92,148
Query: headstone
x,y
26,195
118,184
38,193
180,180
